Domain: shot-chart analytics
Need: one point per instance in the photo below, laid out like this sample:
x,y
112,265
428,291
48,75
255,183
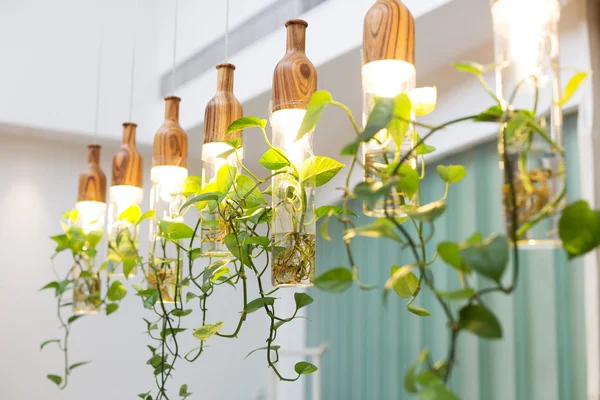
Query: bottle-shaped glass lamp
x,y
125,191
527,78
293,227
388,70
168,175
91,214
221,111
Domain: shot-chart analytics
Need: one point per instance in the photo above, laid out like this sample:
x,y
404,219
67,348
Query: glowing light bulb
x,y
388,78
90,215
167,185
286,124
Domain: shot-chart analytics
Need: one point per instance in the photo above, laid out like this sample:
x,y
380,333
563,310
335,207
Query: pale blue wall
x,y
542,355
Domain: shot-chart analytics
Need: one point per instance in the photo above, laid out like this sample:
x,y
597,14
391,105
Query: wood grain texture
x,y
127,166
223,108
389,33
92,181
295,77
170,141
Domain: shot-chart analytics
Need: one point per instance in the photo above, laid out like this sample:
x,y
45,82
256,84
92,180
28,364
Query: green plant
x,y
233,211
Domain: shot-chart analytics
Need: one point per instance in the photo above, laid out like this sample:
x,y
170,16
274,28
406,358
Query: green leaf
x,y
259,303
579,229
243,185
111,308
371,192
146,215
302,300
314,110
74,318
427,213
62,242
131,214
116,291
128,266
189,296
207,331
380,228
71,215
261,241
421,312
325,229
93,238
178,231
489,258
305,368
225,178
407,285
481,321
460,294
410,380
492,114
450,253
183,391
171,332
428,378
151,300
245,123
181,313
437,392
273,348
572,87
470,67
399,124
212,196
274,160
409,180
77,365
56,379
451,173
335,280
47,342
334,210
380,117
397,274
321,169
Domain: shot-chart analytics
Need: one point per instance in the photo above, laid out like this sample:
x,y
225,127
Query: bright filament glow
x,y
526,24
388,78
91,215
166,198
286,124
211,162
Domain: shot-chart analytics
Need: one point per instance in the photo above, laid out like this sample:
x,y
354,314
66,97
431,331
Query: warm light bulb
x,y
388,78
123,197
90,215
286,124
167,184
211,153
526,24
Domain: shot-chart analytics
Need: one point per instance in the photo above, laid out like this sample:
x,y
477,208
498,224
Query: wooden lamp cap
x,y
389,33
127,166
92,181
223,108
170,141
295,76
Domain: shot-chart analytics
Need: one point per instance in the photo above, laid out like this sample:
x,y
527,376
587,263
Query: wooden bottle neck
x,y
172,108
129,133
296,35
225,77
94,154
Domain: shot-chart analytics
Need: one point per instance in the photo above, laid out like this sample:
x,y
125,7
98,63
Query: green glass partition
x,y
542,354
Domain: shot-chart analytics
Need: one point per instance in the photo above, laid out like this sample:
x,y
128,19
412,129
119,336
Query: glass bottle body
x,y
214,227
293,229
123,235
531,145
387,79
165,267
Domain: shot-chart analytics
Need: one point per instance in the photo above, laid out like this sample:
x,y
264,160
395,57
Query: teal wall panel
x,y
542,354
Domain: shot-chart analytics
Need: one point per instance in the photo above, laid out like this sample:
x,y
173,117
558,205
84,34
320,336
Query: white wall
x,y
39,180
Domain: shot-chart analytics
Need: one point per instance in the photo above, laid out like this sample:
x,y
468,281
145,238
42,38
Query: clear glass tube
x,y
527,78
86,282
165,269
293,228
214,228
386,79
122,234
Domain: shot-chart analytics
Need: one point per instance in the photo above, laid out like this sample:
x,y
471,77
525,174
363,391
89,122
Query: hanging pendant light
x,y
527,77
125,191
221,111
91,213
388,70
293,224
168,175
